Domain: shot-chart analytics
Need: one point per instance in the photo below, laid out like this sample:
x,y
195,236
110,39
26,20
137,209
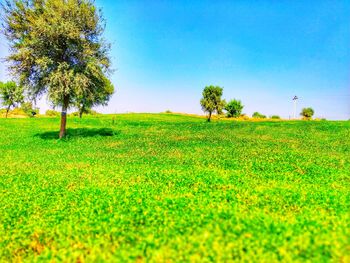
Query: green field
x,y
158,187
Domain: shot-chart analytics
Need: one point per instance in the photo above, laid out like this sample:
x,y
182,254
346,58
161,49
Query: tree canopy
x,y
11,95
56,47
84,103
258,115
234,108
307,113
211,101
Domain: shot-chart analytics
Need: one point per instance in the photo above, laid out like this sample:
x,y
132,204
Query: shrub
x,y
244,117
75,114
18,112
52,113
87,112
275,117
258,115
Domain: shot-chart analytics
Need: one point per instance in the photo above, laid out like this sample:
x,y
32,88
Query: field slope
x,y
157,187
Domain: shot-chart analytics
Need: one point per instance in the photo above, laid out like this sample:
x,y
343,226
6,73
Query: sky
x,y
261,52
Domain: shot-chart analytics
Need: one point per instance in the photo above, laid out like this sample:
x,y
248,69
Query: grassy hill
x,y
139,187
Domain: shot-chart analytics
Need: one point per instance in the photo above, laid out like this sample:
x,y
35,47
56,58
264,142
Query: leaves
x,y
57,47
212,101
234,108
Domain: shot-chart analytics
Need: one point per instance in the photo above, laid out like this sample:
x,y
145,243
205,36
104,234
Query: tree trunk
x,y
209,116
7,110
81,110
64,117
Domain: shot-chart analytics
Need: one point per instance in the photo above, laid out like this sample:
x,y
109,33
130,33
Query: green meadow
x,y
174,188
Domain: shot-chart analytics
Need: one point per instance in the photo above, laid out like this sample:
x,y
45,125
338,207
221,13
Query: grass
x,y
166,187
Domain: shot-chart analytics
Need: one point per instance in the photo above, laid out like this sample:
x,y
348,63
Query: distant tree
x,y
211,101
307,113
275,117
234,108
85,102
10,95
258,115
57,48
28,108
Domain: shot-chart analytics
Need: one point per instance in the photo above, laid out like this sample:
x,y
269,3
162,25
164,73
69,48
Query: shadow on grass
x,y
78,133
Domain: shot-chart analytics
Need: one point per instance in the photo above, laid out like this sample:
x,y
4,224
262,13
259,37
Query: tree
x,y
85,102
27,107
10,95
258,115
234,108
307,113
57,48
275,117
211,101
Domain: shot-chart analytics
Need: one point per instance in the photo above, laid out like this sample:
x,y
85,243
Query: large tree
x,y
57,48
11,95
211,101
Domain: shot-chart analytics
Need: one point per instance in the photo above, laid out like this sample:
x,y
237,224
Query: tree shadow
x,y
78,133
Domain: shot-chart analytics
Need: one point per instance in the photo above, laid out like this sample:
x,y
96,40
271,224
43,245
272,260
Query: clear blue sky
x,y
263,52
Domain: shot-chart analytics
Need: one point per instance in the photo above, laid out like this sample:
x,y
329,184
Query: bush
x,y
275,117
244,117
18,111
86,112
258,115
74,114
168,111
52,113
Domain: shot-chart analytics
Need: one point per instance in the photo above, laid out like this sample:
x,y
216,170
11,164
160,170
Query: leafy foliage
x,y
29,110
52,113
10,95
57,47
307,113
234,108
275,117
85,102
258,115
86,111
169,188
211,101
